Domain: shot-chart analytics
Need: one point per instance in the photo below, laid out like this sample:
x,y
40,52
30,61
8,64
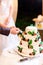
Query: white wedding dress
x,y
11,41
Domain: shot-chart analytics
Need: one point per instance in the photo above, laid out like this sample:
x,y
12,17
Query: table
x,y
13,59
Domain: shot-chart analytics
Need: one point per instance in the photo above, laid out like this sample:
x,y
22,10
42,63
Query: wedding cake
x,y
29,42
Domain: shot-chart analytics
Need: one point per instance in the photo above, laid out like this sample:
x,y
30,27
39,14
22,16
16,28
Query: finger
x,y
17,29
17,32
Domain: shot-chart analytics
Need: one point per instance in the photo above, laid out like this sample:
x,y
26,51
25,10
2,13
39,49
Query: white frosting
x,y
31,28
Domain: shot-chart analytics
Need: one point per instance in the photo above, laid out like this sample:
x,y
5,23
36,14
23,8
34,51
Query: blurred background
x,y
27,10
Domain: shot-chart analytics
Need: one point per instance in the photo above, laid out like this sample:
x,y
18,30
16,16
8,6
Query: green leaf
x,y
31,32
20,48
33,53
38,37
34,50
30,42
31,25
40,49
41,42
31,46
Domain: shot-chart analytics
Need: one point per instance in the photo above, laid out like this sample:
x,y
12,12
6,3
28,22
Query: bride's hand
x,y
14,30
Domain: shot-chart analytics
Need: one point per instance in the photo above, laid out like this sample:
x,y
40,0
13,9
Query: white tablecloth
x,y
13,59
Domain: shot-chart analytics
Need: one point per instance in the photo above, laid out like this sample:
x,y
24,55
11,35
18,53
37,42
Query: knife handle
x,y
23,59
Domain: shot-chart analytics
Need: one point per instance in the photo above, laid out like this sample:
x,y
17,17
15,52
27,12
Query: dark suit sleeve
x,y
4,31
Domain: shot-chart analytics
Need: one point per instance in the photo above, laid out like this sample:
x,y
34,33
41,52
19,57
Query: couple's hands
x,y
14,30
